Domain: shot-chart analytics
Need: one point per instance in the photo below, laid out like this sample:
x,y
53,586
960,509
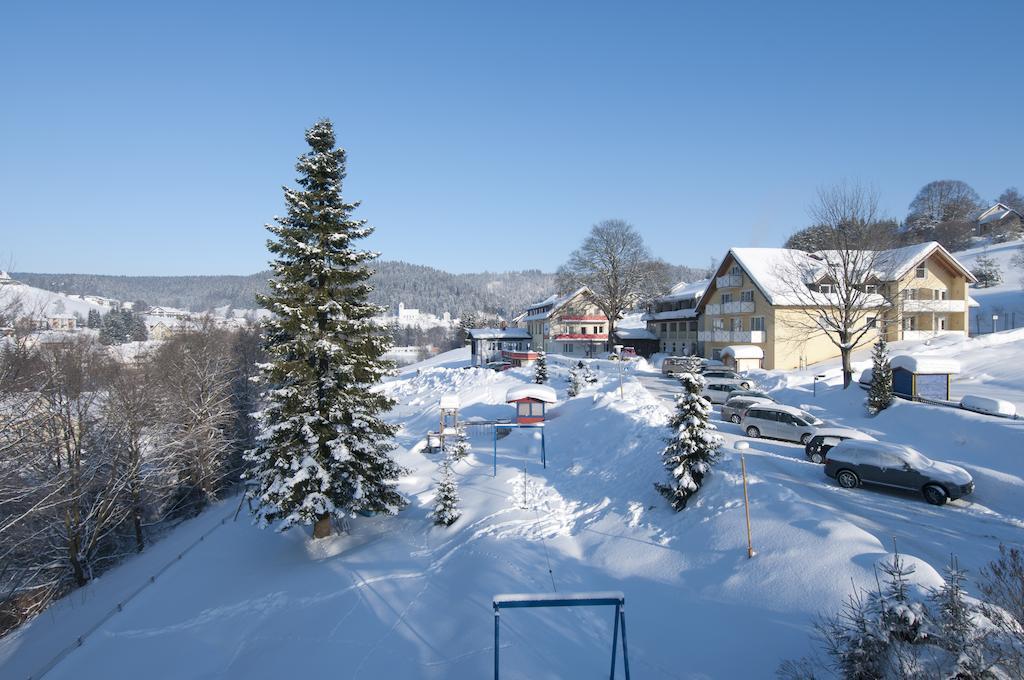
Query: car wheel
x,y
753,432
848,479
817,458
935,494
805,437
735,418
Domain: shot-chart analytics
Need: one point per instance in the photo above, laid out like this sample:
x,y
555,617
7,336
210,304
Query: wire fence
x,y
994,322
121,604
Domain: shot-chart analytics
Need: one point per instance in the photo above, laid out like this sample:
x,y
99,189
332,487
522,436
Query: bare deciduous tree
x,y
617,267
945,200
842,290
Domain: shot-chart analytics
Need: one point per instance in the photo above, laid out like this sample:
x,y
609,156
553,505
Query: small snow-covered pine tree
x,y
540,369
323,450
575,382
460,446
987,271
693,448
446,502
880,391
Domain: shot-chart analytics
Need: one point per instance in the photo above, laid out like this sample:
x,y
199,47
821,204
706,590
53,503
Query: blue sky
x,y
154,137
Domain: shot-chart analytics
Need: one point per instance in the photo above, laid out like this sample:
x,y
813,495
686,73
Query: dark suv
x,y
852,462
827,437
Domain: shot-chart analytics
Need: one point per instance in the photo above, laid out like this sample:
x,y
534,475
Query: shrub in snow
x,y
880,395
459,447
987,271
575,381
540,369
323,450
903,631
446,502
694,445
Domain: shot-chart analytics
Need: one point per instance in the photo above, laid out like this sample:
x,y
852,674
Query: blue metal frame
x,y
526,600
531,426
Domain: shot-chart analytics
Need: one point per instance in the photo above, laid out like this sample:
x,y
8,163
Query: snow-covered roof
x,y
499,333
673,315
996,213
634,334
743,352
923,365
450,401
686,291
538,392
555,301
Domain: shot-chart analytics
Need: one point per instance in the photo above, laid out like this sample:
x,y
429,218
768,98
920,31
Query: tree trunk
x,y
322,528
847,367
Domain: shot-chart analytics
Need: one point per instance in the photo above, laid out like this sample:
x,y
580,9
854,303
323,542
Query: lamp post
x,y
995,317
816,379
742,447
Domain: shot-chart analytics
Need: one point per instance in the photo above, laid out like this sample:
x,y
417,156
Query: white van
x,y
779,421
717,390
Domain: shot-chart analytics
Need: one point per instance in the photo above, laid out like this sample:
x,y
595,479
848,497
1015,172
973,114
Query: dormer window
x,y
921,271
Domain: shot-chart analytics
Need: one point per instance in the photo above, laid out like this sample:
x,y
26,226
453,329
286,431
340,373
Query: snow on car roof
x,y
785,408
925,364
847,432
538,392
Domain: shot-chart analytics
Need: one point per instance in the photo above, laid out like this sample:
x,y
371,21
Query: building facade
x,y
920,292
674,320
569,324
498,344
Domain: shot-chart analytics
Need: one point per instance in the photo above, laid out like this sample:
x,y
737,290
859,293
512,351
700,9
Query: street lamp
x,y
742,447
816,379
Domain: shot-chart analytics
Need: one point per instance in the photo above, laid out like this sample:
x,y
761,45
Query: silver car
x,y
734,407
717,390
778,421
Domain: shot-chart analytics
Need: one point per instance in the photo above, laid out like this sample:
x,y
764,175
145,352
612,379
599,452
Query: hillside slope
x,y
1007,298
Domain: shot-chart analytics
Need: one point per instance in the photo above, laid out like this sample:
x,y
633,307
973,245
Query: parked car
x,y
717,391
778,421
852,463
826,437
673,365
499,366
734,407
746,394
717,374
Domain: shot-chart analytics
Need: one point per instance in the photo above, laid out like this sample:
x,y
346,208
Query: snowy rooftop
x,y
997,212
538,392
555,301
499,333
634,334
450,401
686,291
925,365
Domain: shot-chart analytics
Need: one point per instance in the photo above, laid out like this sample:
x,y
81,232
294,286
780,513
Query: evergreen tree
x,y
94,319
460,446
575,381
324,450
540,369
880,392
987,271
446,502
694,447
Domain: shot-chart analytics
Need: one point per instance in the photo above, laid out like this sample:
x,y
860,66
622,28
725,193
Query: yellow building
x,y
769,302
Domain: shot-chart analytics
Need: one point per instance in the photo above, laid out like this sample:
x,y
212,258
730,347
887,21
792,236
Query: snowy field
x,y
399,598
1004,299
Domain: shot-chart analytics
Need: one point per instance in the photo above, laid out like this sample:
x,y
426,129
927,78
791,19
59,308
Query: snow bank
x,y
925,364
743,352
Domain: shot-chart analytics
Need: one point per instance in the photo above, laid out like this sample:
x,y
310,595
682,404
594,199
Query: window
x,y
693,326
735,270
747,296
757,323
664,328
910,323
717,324
598,330
584,329
763,415
941,294
736,324
536,409
716,354
825,288
673,348
870,288
672,327
940,323
872,322
726,298
921,271
567,347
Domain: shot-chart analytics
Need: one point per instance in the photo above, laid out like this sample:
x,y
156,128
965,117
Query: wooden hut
x,y
922,376
531,402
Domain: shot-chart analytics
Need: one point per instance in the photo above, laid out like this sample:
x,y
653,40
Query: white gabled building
x,y
568,324
674,319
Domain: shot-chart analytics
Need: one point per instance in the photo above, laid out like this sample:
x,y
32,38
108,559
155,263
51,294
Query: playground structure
x,y
531,402
533,600
449,423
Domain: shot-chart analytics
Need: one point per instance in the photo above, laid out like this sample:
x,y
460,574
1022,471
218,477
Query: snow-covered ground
x,y
1005,299
399,598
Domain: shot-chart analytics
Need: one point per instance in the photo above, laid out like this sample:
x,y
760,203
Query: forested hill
x,y
428,289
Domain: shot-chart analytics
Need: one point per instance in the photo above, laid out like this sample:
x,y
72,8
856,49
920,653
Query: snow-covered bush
x,y
880,395
446,502
459,447
694,445
575,381
540,368
901,630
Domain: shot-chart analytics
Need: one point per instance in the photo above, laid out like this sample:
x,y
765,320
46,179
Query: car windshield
x,y
915,458
809,419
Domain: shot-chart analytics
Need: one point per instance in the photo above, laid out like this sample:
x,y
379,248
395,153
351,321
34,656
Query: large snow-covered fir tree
x,y
323,450
540,369
446,502
694,445
880,390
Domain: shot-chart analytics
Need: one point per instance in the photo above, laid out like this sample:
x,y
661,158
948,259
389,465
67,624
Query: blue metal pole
x,y
495,450
625,652
543,449
615,642
496,619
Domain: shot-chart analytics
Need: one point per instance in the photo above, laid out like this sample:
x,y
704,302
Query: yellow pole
x,y
742,446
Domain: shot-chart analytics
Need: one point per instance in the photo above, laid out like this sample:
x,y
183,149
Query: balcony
x,y
730,281
754,337
730,308
934,306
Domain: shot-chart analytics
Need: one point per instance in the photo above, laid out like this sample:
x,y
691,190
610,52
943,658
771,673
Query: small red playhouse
x,y
531,402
